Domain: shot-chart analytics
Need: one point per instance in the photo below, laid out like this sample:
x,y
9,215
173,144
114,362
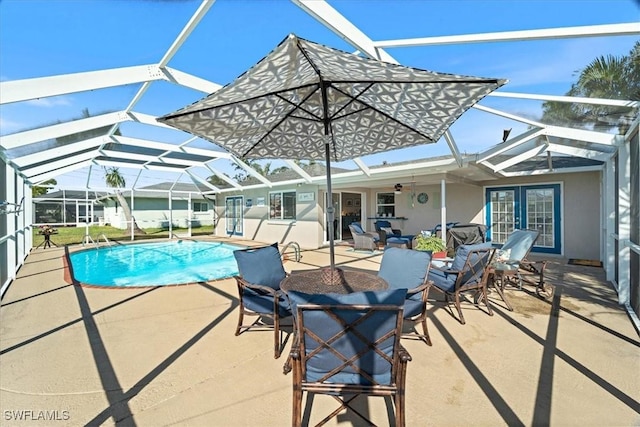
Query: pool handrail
x,y
87,239
107,241
296,250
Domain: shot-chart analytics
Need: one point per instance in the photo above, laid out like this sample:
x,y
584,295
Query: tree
x,y
264,170
114,179
39,191
607,77
216,180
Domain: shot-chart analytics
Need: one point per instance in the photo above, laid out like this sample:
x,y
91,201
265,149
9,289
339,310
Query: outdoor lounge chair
x,y
363,240
469,271
260,273
409,269
391,235
513,254
348,345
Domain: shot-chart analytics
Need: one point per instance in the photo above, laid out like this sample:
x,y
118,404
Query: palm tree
x,y
114,179
605,77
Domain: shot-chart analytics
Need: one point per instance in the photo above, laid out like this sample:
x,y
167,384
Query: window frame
x,y
290,193
382,212
200,203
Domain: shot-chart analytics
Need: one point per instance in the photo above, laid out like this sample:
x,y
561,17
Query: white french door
x,y
234,215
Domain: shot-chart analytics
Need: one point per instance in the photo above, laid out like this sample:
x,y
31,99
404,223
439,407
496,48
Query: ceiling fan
x,y
398,190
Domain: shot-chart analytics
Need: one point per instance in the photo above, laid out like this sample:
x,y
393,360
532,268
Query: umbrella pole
x,y
329,203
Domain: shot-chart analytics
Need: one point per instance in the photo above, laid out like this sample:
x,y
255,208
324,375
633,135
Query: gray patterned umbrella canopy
x,y
312,102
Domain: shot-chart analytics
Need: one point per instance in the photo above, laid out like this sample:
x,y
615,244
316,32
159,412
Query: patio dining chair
x,y
260,273
347,346
408,269
469,271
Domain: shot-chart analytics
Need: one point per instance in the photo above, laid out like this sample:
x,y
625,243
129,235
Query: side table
x,y
499,274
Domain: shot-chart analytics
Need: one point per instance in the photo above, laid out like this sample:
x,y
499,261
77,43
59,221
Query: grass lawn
x,y
74,235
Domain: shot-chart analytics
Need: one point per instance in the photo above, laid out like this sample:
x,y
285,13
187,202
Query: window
x,y
282,205
200,206
386,204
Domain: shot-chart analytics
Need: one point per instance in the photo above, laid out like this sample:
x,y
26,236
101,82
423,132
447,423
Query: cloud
x,y
54,101
7,126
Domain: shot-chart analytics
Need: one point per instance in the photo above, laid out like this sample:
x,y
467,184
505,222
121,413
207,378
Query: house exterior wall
x,y
155,213
580,208
306,230
464,204
580,211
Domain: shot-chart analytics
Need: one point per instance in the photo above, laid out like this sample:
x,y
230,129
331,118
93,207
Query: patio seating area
x,y
169,356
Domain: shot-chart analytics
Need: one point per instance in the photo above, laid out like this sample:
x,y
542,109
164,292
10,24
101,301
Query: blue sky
x,y
50,37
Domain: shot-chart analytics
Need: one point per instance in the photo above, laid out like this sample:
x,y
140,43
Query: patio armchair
x,y
469,271
348,345
513,255
408,269
391,235
363,240
260,273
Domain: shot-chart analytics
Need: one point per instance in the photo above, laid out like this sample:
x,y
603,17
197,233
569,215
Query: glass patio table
x,y
499,274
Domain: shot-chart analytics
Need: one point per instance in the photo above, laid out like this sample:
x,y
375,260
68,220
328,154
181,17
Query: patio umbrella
x,y
306,101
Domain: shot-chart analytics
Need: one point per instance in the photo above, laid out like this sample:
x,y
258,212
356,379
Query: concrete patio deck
x,y
168,356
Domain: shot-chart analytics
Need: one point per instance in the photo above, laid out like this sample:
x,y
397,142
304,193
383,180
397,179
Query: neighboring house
x,y
67,207
562,201
158,206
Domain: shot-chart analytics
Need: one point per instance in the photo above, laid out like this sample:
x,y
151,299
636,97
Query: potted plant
x,y
430,243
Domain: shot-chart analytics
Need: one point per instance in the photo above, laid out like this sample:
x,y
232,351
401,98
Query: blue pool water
x,y
154,264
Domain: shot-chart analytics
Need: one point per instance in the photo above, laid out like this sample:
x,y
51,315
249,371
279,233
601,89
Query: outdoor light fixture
x,y
505,134
398,188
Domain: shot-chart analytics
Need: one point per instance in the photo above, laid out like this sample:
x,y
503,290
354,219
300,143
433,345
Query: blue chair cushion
x,y
382,223
260,303
372,328
412,308
261,266
357,227
443,280
462,252
399,240
401,268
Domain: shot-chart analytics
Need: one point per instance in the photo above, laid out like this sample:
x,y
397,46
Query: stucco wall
x,y
464,204
305,230
583,233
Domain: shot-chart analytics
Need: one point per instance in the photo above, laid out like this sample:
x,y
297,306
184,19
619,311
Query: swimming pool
x,y
154,264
